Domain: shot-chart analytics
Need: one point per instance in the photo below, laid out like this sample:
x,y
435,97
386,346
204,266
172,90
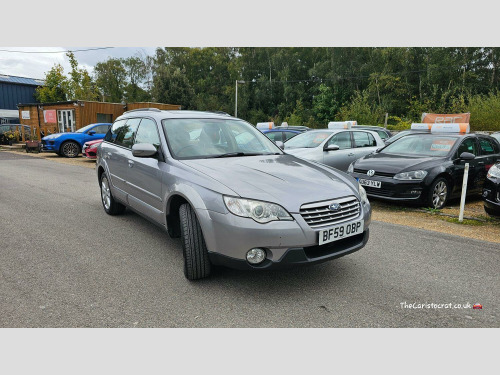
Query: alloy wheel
x,y
439,194
70,149
105,193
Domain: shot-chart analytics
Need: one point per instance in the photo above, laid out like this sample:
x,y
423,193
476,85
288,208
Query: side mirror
x,y
280,144
143,150
91,132
331,148
467,156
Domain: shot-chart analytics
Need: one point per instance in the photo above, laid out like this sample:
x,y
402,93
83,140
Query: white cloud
x,y
35,65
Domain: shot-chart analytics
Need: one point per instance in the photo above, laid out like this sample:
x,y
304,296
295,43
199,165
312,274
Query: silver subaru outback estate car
x,y
232,195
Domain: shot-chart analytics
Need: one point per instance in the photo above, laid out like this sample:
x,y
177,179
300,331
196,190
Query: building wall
x,y
12,94
162,106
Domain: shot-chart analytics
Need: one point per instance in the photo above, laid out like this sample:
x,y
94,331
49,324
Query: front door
x,y
144,178
66,120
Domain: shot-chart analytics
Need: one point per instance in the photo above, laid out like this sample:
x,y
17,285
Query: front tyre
x,y
438,193
70,149
196,261
111,206
491,212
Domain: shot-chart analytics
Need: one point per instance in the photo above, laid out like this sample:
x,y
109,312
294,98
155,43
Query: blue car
x,y
70,144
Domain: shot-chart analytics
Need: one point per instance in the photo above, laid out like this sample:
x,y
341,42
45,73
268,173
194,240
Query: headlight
x,y
261,212
494,171
91,147
351,168
413,175
362,194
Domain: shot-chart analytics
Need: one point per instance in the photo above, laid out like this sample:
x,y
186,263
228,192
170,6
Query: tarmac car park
x,y
428,168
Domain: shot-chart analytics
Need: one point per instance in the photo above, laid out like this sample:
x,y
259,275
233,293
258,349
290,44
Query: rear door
x,y
364,144
144,177
343,157
116,150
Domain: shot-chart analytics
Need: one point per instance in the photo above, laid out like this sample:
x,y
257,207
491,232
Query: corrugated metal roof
x,y
21,80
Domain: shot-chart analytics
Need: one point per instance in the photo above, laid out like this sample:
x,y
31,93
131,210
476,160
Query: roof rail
x,y
143,109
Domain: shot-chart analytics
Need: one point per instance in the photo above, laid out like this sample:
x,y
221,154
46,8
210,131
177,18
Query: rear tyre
x,y
111,206
70,149
196,261
438,193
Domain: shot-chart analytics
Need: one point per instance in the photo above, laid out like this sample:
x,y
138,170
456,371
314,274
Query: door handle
x,y
130,163
351,154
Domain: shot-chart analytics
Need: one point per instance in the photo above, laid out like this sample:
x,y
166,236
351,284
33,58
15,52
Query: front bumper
x,y
298,256
49,146
491,194
229,237
395,190
90,153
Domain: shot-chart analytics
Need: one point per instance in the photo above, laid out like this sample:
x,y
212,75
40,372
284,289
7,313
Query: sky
x,y
35,65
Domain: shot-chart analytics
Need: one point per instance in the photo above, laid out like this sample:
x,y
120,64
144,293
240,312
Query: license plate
x,y
341,231
370,183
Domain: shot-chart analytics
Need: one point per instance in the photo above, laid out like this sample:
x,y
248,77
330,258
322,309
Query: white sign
x,y
25,115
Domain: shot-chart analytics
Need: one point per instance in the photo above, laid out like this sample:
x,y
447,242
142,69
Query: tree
x,y
55,88
110,77
137,73
80,84
170,85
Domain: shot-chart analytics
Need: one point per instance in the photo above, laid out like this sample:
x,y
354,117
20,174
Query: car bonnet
x,y
281,179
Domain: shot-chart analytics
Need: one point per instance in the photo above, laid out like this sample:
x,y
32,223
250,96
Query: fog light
x,y
256,256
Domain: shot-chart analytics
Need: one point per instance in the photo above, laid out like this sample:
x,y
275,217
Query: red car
x,y
89,149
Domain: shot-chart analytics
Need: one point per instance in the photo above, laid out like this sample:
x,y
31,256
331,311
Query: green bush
x,y
361,110
485,112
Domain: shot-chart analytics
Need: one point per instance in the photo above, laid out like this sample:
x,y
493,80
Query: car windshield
x,y
399,135
213,138
307,140
84,129
421,145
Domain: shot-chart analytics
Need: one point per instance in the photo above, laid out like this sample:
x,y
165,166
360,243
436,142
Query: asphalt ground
x,y
65,263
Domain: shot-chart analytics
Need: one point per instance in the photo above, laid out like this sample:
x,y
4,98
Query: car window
x,y
382,134
342,139
114,130
308,139
422,145
148,133
275,136
487,147
468,145
101,129
289,135
363,139
126,136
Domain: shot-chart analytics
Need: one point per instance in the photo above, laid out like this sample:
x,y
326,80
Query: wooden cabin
x,y
69,116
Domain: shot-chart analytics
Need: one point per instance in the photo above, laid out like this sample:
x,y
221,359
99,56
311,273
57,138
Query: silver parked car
x,y
336,148
230,193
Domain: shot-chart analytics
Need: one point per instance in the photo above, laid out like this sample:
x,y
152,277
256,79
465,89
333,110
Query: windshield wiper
x,y
234,154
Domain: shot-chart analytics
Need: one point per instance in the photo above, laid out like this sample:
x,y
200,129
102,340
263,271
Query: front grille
x,y
380,192
383,174
319,214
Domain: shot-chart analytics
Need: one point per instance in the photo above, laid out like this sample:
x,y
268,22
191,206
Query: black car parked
x,y
427,168
491,191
